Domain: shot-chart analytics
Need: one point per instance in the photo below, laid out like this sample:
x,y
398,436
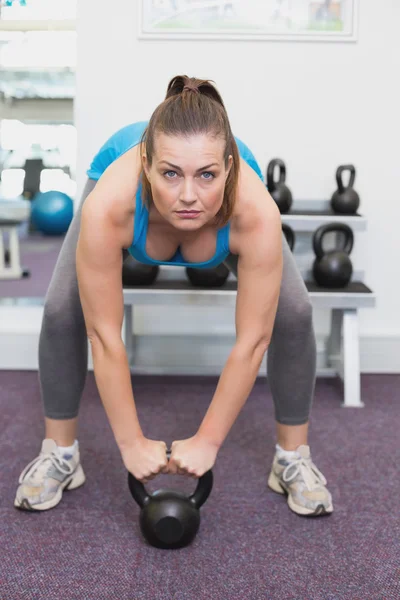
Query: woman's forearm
x,y
113,378
234,386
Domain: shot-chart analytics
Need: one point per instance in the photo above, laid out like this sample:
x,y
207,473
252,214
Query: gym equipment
x,y
345,200
170,519
136,273
289,235
33,168
214,277
52,212
12,214
10,262
278,189
8,266
333,269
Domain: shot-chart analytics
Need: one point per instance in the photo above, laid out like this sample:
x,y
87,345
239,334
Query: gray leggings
x,y
291,359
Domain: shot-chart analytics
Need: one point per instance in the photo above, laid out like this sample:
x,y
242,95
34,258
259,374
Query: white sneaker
x,y
303,484
43,481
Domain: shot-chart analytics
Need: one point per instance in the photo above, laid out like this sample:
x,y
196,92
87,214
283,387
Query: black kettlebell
x,y
170,519
289,235
214,277
278,189
333,269
136,273
345,200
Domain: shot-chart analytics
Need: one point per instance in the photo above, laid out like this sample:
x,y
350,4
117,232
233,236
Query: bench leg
x,y
128,330
351,359
15,264
335,337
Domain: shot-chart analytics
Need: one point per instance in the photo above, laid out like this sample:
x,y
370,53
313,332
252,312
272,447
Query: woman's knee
x,y
294,314
62,313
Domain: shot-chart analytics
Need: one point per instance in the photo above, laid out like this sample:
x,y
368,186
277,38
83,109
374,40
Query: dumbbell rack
x,y
343,359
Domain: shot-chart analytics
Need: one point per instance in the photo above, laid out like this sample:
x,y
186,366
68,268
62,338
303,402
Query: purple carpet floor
x,y
250,545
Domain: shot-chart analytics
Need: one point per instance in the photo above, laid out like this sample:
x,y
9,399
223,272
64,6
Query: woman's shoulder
x,y
251,193
253,205
117,187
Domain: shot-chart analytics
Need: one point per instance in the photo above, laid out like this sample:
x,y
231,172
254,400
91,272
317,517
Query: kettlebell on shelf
x,y
333,269
345,200
278,189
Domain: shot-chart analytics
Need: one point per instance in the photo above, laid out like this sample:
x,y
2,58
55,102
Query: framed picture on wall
x,y
319,20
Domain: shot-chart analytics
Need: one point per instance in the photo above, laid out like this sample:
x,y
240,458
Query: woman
x,y
181,191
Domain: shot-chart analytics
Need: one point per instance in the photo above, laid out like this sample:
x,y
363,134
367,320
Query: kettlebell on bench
x,y
333,269
213,277
135,273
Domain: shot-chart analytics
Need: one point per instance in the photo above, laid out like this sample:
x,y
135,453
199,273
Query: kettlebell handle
x,y
336,228
271,183
339,179
199,496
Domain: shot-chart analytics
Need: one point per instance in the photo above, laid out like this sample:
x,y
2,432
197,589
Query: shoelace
x,y
312,476
39,466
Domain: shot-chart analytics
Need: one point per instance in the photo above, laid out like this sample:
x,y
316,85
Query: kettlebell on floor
x,y
170,519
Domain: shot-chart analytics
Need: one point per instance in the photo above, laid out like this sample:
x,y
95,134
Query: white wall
x,y
316,105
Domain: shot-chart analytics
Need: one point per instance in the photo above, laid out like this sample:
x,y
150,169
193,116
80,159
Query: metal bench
x,y
343,359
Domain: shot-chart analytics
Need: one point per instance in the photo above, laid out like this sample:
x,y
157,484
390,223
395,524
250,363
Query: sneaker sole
x,y
319,511
76,480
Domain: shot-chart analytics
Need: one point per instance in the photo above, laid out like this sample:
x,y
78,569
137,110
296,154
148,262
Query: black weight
x,y
278,189
170,519
289,235
345,200
136,273
333,269
214,277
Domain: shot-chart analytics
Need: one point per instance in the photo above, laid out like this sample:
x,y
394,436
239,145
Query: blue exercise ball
x,y
52,212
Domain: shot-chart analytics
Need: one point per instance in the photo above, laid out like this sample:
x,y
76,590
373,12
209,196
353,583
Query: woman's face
x,y
187,178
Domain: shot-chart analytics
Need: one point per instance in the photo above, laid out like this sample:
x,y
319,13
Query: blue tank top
x,y
122,141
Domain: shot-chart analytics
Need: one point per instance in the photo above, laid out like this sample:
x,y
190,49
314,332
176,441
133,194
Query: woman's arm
x,y
106,228
259,246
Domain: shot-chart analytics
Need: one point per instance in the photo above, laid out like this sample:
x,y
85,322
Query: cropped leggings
x,y
63,347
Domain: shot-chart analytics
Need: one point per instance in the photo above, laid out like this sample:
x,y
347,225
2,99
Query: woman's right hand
x,y
145,459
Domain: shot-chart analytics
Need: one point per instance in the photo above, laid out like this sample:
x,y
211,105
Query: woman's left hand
x,y
192,457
